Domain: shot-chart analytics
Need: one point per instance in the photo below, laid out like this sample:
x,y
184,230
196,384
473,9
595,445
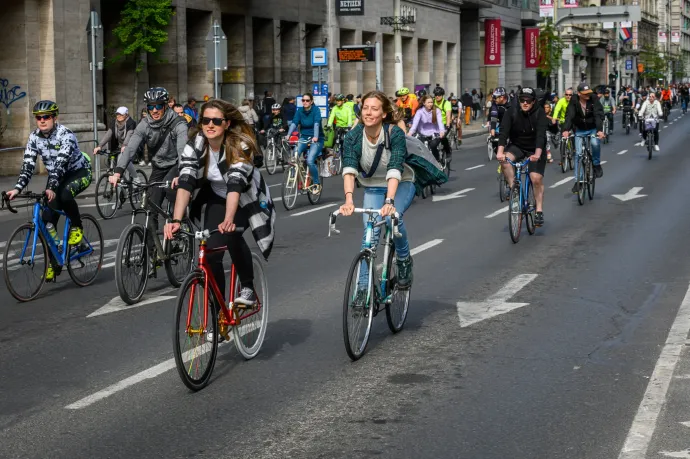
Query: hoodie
x,y
526,130
249,114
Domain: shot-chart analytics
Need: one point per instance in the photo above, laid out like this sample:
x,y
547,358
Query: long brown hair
x,y
392,115
422,101
237,134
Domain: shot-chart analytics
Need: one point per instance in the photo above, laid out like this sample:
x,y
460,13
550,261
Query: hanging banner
x,y
626,34
546,8
492,42
532,48
675,37
349,7
570,3
662,37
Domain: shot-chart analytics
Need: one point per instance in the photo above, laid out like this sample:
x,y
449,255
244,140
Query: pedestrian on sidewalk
x,y
467,104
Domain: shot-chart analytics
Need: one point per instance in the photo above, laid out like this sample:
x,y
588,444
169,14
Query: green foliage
x,y
550,49
142,29
654,65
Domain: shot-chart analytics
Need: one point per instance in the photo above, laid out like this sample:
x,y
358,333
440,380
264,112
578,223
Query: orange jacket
x,y
666,94
412,103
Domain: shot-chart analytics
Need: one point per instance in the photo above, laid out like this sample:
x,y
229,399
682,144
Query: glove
x,y
258,161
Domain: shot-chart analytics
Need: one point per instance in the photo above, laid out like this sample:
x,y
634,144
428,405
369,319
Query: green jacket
x,y
560,109
352,149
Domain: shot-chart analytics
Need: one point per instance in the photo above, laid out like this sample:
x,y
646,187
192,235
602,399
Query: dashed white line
x,y
562,182
315,209
474,167
665,127
498,212
622,152
603,162
277,184
426,246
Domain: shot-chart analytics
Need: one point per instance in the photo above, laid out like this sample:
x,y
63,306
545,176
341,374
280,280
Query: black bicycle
x,y
109,197
586,180
567,150
140,251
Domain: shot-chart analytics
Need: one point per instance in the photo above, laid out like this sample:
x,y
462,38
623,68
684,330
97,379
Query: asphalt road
x,y
582,356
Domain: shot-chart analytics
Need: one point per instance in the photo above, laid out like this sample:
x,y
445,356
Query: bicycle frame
x,y
520,170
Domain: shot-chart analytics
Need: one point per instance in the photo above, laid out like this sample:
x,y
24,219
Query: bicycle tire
x,y
135,193
74,271
315,198
531,213
502,187
515,213
362,258
182,311
424,192
285,153
564,156
7,260
289,189
124,254
398,307
489,149
174,278
114,193
581,175
650,147
591,180
271,154
249,351
627,129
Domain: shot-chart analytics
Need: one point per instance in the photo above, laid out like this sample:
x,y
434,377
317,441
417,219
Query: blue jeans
x,y
314,152
596,148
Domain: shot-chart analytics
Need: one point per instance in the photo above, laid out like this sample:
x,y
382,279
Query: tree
x,y
550,48
142,29
654,65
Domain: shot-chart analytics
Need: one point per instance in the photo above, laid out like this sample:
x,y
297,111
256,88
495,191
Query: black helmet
x,y
499,92
527,93
439,91
46,107
156,96
421,93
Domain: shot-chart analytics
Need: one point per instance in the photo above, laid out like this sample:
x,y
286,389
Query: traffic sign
x,y
357,54
628,64
315,89
216,49
319,57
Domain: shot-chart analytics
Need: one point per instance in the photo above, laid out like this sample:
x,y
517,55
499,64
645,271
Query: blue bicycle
x,y
521,202
26,253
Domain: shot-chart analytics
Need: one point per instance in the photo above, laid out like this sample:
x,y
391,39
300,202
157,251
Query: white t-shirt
x,y
214,176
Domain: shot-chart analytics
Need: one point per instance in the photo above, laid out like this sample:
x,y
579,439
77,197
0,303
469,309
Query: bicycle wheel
x,y
24,274
132,264
531,210
179,255
271,160
489,149
515,213
285,154
289,190
195,345
249,334
86,258
358,306
650,146
107,197
135,192
591,180
502,187
446,164
571,155
564,156
627,128
581,175
315,198
396,309
424,194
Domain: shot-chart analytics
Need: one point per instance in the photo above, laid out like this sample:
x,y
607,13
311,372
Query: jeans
x,y
596,147
374,198
314,152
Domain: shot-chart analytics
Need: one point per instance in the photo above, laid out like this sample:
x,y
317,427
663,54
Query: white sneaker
x,y
142,163
640,144
656,147
246,298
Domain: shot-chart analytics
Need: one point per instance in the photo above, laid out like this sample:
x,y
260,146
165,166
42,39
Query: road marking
x,y
425,246
603,162
622,152
454,195
279,198
117,305
686,423
562,182
630,195
277,184
498,212
474,167
665,127
677,454
643,426
470,313
315,209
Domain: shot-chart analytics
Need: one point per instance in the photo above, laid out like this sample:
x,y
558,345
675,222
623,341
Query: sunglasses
x,y
568,95
216,121
43,117
526,101
156,107
306,100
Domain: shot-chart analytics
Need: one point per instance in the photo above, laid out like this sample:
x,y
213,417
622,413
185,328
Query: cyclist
x,y
666,99
609,105
562,106
407,102
627,105
388,185
69,171
308,118
276,120
218,160
651,109
429,123
342,115
499,107
456,110
684,94
586,116
525,126
118,136
446,114
638,105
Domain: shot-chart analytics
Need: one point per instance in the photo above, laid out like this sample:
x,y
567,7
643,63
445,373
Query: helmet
x,y
402,92
439,91
156,95
500,92
275,107
46,107
527,93
339,97
421,93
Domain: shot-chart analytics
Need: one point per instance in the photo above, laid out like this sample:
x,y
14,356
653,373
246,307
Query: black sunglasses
x,y
568,95
216,121
526,101
157,107
306,100
43,117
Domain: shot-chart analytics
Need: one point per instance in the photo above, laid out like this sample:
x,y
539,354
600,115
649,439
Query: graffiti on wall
x,y
9,94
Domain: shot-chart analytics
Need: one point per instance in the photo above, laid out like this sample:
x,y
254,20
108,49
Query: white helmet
x,y
275,107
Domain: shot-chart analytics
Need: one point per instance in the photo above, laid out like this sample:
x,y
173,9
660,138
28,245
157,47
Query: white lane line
x,y
498,212
622,152
562,182
426,246
279,198
474,167
643,426
116,304
315,209
277,184
665,127
670,123
603,162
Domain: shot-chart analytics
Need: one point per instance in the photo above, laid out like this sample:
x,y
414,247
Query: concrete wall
x,y
470,58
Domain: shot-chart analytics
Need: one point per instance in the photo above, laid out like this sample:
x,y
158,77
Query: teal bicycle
x,y
30,247
371,287
522,202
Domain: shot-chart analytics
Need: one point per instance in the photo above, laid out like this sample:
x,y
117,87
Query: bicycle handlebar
x,y
205,234
333,215
27,195
522,164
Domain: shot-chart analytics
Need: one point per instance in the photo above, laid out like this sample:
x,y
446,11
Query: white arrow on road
x,y
632,194
457,194
117,305
680,454
472,312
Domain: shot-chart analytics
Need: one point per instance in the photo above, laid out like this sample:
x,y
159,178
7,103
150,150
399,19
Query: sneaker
x,y
405,272
50,274
598,171
142,163
656,147
576,187
149,164
315,189
246,299
76,235
640,144
539,219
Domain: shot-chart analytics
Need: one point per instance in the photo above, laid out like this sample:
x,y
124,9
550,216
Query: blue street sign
x,y
628,64
319,57
324,89
315,89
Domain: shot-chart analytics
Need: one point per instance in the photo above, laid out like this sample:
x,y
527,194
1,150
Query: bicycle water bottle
x,y
53,233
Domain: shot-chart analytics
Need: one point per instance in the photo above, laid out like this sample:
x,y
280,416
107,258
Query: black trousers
x,y
238,249
72,184
157,195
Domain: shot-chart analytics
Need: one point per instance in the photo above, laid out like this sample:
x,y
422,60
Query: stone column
x,y
359,67
181,36
514,58
249,54
470,58
277,60
304,78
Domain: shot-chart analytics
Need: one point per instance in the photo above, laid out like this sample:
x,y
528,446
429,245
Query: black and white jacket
x,y
239,177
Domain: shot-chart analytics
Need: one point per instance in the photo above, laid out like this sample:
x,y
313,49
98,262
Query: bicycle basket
x,y
650,124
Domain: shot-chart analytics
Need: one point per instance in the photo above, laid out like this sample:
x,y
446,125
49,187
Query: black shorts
x,y
520,155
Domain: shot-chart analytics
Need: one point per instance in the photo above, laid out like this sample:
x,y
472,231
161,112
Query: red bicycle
x,y
203,317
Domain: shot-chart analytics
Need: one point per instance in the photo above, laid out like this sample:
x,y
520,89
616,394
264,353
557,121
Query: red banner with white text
x,y
492,42
531,48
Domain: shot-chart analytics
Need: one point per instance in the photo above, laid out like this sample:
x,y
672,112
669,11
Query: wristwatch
x,y
389,201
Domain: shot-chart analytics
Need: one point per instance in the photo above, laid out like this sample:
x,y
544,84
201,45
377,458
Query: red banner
x,y
492,42
531,48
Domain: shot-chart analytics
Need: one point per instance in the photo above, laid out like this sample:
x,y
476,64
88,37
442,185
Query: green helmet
x,y
339,97
402,92
46,107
